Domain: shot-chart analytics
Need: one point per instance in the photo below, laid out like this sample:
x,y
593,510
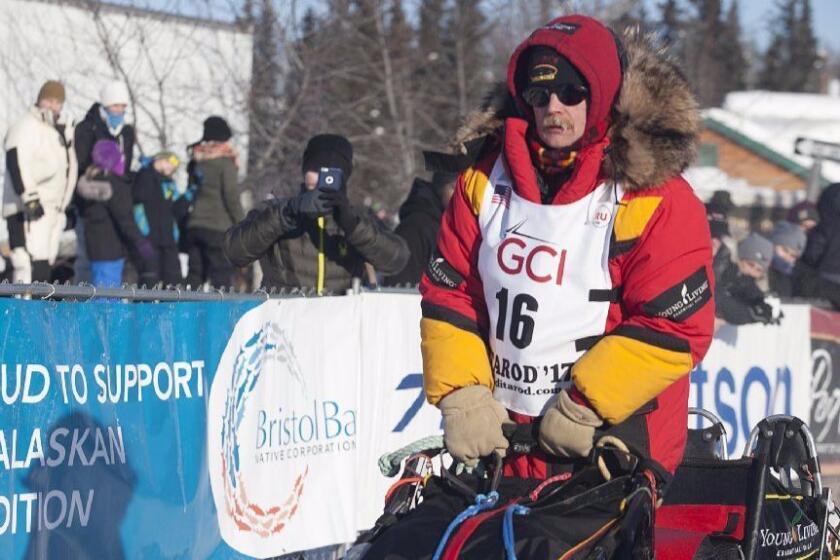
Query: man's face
x,y
116,109
53,105
559,125
751,269
786,254
310,180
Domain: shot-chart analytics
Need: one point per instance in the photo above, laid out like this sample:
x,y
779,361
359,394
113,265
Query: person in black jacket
x,y
420,216
817,273
155,203
719,228
105,120
738,299
316,239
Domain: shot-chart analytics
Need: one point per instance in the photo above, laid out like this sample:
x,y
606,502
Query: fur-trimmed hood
x,y
653,126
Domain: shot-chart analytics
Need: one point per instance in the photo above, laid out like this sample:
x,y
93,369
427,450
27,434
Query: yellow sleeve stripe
x,y
475,182
633,216
619,375
452,358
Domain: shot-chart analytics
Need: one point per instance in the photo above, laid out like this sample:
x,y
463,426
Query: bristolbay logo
x,y
271,431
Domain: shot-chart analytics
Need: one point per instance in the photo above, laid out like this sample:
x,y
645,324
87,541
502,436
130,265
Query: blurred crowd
x,y
137,226
798,258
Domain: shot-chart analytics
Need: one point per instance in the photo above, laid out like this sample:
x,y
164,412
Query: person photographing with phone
x,y
316,239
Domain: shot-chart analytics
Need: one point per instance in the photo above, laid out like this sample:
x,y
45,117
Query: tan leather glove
x,y
568,428
472,424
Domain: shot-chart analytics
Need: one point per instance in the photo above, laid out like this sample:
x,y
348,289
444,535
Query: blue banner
x,y
103,429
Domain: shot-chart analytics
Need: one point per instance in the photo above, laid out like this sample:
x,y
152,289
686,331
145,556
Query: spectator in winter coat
x,y
738,299
420,218
105,120
719,228
155,206
40,178
788,244
216,207
316,239
111,234
818,273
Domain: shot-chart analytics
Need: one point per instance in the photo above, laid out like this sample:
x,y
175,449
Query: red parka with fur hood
x,y
640,134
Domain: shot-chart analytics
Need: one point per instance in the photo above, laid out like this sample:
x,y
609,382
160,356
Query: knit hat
x,y
756,248
718,222
114,93
51,90
216,129
547,67
789,235
328,150
802,212
108,157
588,46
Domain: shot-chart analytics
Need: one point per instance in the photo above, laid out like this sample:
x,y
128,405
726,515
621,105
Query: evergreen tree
x,y
672,28
790,61
704,52
804,51
734,62
264,89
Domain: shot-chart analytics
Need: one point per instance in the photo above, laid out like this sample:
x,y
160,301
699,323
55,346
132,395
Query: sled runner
x,y
768,504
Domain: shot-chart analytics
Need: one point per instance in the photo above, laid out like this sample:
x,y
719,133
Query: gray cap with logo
x,y
757,248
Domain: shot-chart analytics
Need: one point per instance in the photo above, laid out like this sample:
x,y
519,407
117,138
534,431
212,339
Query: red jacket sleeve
x,y
661,255
455,321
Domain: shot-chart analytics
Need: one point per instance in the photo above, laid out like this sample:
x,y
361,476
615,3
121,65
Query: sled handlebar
x,y
523,438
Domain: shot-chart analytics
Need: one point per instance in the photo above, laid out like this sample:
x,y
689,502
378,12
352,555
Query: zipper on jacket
x,y
321,260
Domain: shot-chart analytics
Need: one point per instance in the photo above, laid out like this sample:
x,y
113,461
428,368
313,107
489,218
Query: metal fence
x,y
87,292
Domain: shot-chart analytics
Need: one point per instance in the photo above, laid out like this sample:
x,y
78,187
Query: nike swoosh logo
x,y
515,231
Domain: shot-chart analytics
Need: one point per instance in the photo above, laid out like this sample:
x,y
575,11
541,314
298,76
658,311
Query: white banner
x,y
756,370
308,395
282,427
394,408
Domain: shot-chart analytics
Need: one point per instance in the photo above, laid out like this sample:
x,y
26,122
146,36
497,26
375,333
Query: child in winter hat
x,y
107,156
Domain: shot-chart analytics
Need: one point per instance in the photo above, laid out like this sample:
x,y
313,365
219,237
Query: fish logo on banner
x,y
266,429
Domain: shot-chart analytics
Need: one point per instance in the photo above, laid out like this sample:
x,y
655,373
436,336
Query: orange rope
x,y
402,482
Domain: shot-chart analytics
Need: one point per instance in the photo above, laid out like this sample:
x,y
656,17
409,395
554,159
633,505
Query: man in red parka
x,y
572,281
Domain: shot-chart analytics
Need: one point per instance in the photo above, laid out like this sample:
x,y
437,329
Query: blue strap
x,y
507,528
482,503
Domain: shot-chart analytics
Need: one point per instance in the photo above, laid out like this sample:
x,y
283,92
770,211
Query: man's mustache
x,y
558,121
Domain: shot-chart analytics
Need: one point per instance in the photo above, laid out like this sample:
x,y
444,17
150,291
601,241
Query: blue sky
x,y
755,14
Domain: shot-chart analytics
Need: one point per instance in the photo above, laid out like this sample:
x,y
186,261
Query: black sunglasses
x,y
568,94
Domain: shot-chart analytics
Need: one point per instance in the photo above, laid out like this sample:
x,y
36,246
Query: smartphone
x,y
330,178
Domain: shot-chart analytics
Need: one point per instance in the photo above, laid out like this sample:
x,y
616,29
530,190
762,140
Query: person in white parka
x,y
41,173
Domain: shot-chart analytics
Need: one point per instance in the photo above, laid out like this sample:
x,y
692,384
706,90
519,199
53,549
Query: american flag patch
x,y
501,195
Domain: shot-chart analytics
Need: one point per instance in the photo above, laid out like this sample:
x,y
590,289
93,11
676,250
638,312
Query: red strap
x,y
465,531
